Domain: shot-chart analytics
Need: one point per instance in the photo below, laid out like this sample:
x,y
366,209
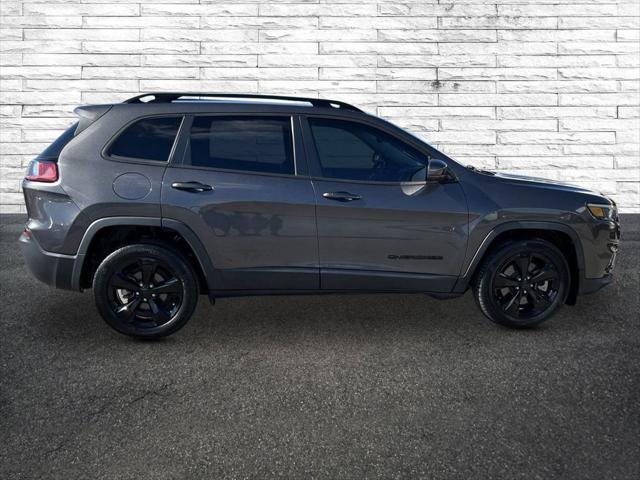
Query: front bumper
x,y
602,256
51,268
592,285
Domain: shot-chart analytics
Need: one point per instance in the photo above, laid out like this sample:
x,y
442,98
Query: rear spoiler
x,y
89,114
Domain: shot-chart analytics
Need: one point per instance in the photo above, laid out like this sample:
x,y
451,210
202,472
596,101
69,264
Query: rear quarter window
x,y
52,152
147,139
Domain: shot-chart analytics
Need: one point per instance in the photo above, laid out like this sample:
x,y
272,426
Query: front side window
x,y
147,139
354,151
252,144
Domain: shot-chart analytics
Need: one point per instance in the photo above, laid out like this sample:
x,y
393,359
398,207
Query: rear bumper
x,y
51,268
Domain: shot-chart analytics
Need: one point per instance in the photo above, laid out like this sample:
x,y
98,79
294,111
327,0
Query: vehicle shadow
x,y
338,319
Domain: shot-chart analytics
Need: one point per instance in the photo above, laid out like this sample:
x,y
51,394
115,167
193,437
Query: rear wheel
x,y
523,283
145,291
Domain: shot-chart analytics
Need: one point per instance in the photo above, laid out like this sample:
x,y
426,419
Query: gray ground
x,y
319,387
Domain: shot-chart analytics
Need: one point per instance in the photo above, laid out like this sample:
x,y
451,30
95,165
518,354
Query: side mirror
x,y
438,171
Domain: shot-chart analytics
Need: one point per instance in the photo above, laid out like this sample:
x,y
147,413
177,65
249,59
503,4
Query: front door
x,y
381,225
240,190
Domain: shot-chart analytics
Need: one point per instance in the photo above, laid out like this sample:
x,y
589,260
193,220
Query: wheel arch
x,y
562,236
156,229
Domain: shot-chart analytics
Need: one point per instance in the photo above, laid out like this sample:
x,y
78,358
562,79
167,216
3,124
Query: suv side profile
x,y
167,196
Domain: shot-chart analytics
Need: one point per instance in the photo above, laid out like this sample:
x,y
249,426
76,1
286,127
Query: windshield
x,y
432,150
52,152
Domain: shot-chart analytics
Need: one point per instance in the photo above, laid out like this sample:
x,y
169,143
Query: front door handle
x,y
341,196
194,187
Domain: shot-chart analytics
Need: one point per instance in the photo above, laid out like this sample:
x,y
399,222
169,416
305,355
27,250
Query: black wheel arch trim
x,y
189,236
213,279
463,281
211,275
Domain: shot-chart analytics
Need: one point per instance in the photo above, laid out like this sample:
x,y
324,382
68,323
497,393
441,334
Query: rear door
x,y
242,187
381,224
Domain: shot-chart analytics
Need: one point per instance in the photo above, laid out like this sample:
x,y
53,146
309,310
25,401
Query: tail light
x,y
42,171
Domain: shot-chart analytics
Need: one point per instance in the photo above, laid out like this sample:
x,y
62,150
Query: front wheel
x,y
145,291
522,283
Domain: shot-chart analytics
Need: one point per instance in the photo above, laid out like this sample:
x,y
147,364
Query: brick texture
x,y
539,87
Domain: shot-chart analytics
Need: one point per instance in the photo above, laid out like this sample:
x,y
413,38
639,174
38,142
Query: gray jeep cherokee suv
x,y
170,195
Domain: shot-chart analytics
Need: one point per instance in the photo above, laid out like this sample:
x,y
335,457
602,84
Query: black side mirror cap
x,y
438,171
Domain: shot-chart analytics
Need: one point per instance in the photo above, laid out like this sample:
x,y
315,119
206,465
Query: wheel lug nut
x,y
140,285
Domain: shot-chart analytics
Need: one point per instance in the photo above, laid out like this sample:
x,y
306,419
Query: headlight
x,y
602,212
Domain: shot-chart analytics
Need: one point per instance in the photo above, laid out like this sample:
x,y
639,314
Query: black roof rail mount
x,y
168,97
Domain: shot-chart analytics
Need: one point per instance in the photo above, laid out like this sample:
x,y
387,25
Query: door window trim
x,y
299,164
104,153
315,169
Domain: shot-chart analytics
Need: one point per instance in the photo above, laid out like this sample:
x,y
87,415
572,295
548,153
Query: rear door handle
x,y
194,187
341,196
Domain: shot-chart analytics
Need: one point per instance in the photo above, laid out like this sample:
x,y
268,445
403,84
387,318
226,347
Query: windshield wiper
x,y
474,169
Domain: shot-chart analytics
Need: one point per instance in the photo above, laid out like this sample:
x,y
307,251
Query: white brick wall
x,y
542,87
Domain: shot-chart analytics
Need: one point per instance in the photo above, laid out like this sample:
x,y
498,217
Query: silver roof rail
x,y
168,97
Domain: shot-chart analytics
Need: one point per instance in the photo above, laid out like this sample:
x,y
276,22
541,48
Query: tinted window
x,y
147,139
52,152
354,151
256,144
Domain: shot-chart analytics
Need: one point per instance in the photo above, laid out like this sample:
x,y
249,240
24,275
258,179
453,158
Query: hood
x,y
545,183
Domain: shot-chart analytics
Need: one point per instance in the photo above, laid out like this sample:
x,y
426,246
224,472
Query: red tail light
x,y
41,171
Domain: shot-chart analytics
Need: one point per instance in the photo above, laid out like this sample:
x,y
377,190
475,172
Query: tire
x,y
505,296
145,291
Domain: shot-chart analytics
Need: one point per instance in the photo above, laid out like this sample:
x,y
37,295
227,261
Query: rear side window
x,y
252,144
147,139
52,152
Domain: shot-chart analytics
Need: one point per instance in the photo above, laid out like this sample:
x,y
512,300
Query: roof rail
x,y
168,97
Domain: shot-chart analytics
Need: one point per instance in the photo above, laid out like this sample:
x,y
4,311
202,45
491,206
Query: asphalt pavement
x,y
331,387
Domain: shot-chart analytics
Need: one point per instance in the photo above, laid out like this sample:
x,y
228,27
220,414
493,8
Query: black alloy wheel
x,y
145,291
525,285
522,283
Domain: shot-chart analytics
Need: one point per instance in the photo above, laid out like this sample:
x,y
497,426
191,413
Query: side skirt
x,y
213,294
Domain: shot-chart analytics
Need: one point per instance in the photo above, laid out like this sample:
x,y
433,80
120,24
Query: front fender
x,y
476,253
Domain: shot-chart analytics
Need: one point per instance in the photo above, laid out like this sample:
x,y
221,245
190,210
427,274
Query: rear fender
x,y
188,235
